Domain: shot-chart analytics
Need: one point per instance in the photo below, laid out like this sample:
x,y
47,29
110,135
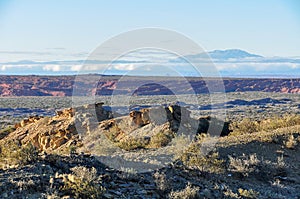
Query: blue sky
x,y
68,29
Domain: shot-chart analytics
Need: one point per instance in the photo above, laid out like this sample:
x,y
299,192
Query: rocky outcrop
x,y
63,85
68,127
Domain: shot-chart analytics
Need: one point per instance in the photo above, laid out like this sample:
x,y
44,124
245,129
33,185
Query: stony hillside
x,y
64,156
63,85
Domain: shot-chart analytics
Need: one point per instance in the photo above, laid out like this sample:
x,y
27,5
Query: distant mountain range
x,y
232,54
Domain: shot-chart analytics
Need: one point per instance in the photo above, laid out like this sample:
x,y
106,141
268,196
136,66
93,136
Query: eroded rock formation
x,y
70,126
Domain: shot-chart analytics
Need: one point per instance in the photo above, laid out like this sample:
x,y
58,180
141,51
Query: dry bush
x,y
161,139
244,165
188,193
132,143
241,193
248,193
193,157
113,132
291,142
128,173
163,184
83,183
13,153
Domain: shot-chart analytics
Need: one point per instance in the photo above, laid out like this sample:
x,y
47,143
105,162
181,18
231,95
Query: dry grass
x,y
247,125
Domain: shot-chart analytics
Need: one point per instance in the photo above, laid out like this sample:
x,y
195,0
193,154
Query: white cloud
x,y
3,68
50,67
127,67
76,67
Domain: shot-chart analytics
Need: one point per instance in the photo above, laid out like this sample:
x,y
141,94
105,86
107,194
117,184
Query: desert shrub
x,y
163,184
83,183
13,153
188,193
230,194
113,132
244,164
128,173
194,157
291,142
280,164
241,193
161,139
248,193
132,143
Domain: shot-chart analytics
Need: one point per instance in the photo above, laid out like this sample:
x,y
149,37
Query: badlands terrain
x,y
153,146
63,85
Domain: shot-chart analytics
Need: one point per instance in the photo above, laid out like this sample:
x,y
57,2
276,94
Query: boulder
x,y
213,126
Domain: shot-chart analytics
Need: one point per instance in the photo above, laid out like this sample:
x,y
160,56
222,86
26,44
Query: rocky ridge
x,y
65,130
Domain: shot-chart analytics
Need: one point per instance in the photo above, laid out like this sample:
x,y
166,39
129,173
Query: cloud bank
x,y
232,64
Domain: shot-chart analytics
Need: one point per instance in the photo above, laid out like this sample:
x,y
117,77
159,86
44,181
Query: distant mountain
x,y
232,54
224,55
